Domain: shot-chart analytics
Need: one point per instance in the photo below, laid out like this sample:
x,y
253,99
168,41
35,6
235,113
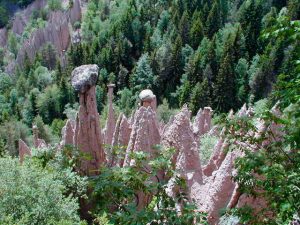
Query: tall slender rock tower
x,y
88,138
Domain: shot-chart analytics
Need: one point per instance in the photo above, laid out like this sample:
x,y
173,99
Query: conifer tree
x,y
200,96
143,76
250,19
184,27
196,32
225,86
213,22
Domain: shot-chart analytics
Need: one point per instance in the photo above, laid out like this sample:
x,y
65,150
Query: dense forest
x,y
214,53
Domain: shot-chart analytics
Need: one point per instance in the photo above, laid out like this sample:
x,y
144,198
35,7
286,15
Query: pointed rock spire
x,y
111,121
23,150
202,122
186,160
145,134
121,138
68,133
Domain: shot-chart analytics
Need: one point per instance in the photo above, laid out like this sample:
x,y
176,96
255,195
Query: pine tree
x,y
213,22
184,27
294,9
200,96
184,91
196,32
177,64
225,86
250,19
143,76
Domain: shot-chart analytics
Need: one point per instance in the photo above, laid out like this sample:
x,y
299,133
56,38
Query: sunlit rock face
x,y
21,19
218,189
68,133
111,120
88,138
120,140
144,137
23,150
202,122
3,37
179,135
145,134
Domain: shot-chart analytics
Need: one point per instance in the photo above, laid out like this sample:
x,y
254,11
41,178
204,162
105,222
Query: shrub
x,y
115,192
207,144
32,195
54,5
164,112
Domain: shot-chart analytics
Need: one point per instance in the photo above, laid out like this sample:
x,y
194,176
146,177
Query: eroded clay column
x,y
111,121
23,150
88,138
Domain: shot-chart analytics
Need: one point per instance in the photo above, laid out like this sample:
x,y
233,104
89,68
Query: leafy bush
x,y
54,5
115,194
164,112
30,194
207,144
269,171
10,132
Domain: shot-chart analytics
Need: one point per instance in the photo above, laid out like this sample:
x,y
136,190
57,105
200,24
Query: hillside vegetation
x,y
214,53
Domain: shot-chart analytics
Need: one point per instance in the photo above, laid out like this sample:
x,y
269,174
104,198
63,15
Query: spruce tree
x,y
250,19
143,76
200,96
213,22
197,31
224,93
184,27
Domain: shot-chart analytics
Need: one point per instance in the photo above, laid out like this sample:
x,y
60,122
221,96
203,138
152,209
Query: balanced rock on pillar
x,y
148,99
88,138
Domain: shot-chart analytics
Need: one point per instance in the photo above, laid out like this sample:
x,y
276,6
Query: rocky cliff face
x,y
56,32
211,187
23,17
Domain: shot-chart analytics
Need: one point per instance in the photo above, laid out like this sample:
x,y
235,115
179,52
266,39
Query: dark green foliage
x,y
250,19
200,96
3,16
225,87
214,20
